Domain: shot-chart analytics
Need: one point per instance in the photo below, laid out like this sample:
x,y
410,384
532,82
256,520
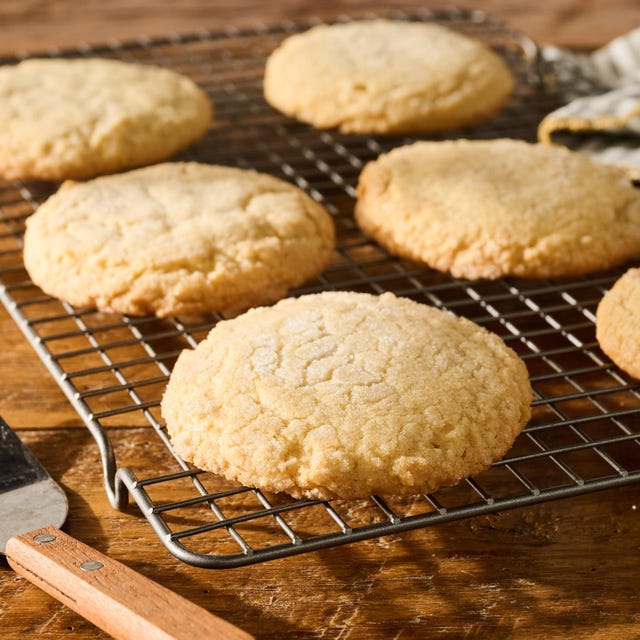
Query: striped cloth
x,y
602,92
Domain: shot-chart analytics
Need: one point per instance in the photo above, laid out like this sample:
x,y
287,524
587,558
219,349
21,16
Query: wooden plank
x,y
39,25
567,569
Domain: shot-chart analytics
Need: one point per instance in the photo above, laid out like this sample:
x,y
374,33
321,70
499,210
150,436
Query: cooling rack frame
x,y
550,323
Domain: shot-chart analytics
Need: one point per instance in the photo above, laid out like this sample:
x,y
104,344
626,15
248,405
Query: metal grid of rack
x,y
585,431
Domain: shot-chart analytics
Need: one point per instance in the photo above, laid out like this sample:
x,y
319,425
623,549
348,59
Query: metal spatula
x,y
122,602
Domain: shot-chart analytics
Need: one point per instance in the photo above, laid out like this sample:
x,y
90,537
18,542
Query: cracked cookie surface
x,y
385,76
344,394
487,209
75,119
618,323
177,239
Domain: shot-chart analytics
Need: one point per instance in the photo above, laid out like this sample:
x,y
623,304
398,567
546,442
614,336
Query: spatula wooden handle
x,y
115,598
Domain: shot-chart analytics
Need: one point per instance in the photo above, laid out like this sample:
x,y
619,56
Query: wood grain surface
x,y
568,569
36,24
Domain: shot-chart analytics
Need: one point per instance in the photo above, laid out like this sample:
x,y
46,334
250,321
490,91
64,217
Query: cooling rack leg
x,y
118,493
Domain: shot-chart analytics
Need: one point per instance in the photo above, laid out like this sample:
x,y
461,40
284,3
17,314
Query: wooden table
x,y
567,569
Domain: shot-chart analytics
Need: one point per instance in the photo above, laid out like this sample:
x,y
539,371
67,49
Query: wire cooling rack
x,y
585,431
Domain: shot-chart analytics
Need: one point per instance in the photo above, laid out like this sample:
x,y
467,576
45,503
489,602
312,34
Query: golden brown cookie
x,y
346,394
384,76
76,119
493,208
177,238
618,323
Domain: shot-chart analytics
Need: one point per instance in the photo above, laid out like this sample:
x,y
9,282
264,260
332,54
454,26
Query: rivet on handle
x,y
41,538
91,565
